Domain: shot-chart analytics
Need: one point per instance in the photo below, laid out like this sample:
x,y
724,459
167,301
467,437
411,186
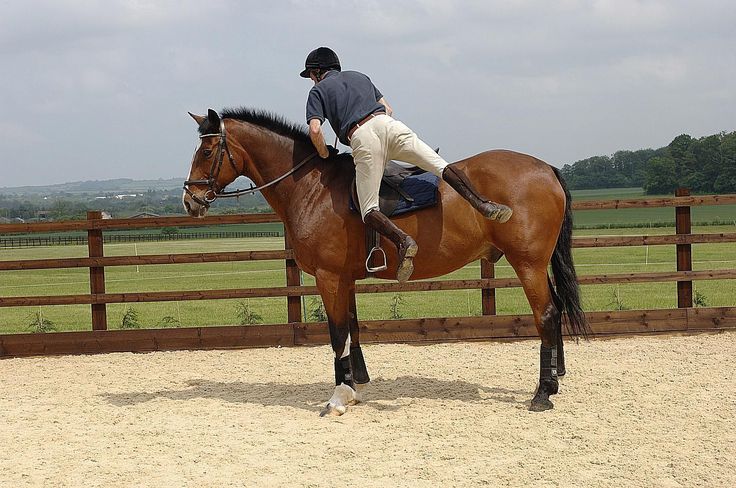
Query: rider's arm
x,y
318,139
389,110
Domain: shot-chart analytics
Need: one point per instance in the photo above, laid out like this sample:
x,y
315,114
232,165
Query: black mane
x,y
262,118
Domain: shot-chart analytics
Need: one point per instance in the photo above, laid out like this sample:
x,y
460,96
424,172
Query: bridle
x,y
213,192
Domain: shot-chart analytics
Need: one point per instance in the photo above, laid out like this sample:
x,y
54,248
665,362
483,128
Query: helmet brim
x,y
305,73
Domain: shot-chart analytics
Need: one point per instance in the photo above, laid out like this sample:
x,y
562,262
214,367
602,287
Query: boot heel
x,y
406,268
406,261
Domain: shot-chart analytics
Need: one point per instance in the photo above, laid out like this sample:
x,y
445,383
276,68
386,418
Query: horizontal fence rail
x,y
488,325
213,257
145,223
677,201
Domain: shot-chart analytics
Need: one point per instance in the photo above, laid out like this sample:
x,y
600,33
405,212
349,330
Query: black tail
x,y
567,292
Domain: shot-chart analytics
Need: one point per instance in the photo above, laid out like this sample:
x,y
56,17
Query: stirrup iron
x,y
382,267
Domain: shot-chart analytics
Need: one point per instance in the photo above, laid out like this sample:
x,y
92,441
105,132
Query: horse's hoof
x,y
333,410
338,404
540,405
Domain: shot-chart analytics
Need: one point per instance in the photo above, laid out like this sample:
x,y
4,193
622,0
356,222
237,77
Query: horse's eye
x,y
207,153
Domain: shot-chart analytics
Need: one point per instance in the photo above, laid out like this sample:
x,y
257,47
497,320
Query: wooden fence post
x,y
293,278
683,225
488,295
96,274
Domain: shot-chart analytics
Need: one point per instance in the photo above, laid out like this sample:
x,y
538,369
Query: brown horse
x,y
311,196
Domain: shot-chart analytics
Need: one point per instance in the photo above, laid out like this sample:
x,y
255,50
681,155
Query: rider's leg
x,y
491,210
404,243
370,157
408,147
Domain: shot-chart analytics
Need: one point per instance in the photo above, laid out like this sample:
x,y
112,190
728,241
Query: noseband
x,y
213,192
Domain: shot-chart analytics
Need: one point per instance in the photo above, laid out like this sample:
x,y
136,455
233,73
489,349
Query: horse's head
x,y
210,173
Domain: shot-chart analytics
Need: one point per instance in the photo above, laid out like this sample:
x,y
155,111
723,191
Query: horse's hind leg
x,y
546,318
560,347
561,370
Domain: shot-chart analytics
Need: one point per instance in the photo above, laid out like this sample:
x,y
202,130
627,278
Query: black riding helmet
x,y
320,58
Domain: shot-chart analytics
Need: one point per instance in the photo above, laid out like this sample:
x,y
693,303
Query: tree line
x,y
69,206
704,165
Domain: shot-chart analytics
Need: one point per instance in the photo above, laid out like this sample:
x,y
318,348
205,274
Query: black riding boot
x,y
404,243
491,210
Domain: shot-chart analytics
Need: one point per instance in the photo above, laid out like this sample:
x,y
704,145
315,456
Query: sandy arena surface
x,y
649,412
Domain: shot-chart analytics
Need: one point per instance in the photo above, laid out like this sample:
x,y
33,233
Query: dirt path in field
x,y
650,412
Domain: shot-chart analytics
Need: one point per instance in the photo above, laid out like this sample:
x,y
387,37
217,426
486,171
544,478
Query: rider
x,y
361,117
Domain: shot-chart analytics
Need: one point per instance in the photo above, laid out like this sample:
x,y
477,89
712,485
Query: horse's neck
x,y
273,156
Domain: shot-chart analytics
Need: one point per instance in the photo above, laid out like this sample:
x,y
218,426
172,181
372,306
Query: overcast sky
x,y
99,90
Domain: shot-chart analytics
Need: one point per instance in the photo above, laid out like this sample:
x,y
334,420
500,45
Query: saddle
x,y
403,189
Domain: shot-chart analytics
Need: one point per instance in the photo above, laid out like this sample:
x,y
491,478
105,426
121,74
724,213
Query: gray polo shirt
x,y
344,98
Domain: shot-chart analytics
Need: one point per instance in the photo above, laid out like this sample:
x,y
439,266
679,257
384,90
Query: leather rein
x,y
213,192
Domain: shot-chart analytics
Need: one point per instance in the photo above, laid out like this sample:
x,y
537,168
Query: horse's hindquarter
x,y
453,234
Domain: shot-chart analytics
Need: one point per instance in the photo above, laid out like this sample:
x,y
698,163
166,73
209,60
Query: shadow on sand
x,y
311,396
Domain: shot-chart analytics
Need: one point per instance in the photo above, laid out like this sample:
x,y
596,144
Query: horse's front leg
x,y
337,294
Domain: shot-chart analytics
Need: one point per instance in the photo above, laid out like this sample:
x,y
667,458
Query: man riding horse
x,y
362,119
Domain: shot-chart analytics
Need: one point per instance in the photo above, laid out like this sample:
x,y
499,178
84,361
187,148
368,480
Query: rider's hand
x,y
331,151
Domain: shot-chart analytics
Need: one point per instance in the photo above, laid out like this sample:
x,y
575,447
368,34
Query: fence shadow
x,y
312,396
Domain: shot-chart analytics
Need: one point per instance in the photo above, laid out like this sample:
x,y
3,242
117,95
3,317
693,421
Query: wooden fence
x,y
296,332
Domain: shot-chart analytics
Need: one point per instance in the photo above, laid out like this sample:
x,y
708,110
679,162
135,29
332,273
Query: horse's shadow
x,y
382,394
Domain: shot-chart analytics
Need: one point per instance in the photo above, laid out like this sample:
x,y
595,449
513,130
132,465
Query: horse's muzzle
x,y
195,206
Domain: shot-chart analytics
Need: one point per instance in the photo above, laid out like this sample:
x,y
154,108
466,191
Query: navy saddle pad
x,y
420,187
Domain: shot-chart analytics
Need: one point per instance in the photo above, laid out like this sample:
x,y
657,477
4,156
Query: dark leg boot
x,y
491,210
404,243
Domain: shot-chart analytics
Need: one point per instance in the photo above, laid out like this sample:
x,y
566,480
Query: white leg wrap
x,y
341,398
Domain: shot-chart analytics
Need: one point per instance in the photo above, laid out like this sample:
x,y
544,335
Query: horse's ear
x,y
213,117
198,118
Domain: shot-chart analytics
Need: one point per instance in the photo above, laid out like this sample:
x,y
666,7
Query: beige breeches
x,y
375,143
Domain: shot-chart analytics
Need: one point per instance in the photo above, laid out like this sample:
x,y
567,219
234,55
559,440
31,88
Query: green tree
x,y
660,176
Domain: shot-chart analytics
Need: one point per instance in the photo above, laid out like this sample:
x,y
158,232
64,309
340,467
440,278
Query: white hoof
x,y
338,404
